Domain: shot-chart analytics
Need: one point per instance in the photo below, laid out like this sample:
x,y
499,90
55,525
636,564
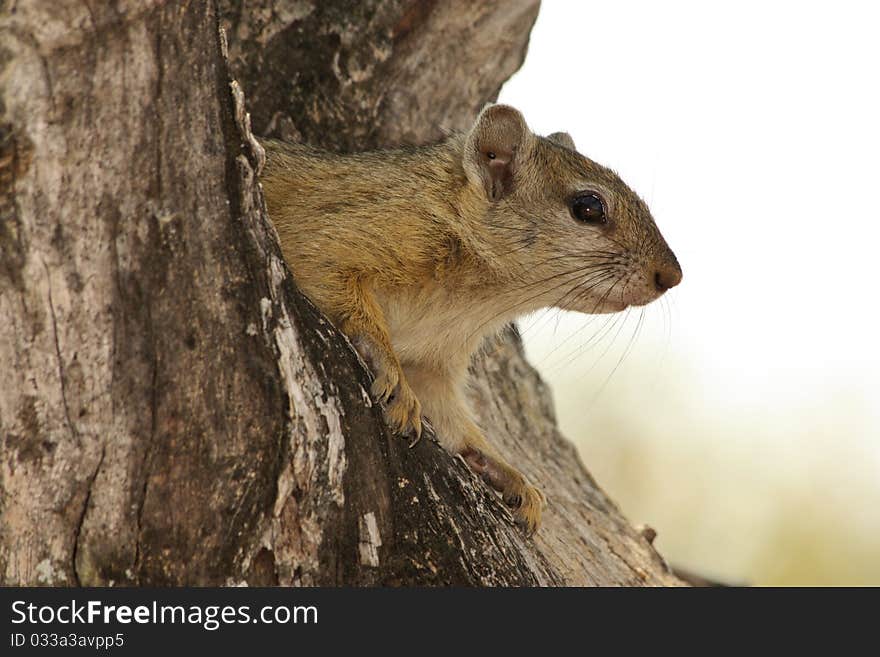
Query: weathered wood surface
x,y
172,410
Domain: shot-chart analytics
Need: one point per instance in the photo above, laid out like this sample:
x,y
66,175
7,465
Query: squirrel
x,y
418,254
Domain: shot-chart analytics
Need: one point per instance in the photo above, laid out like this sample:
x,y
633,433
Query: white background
x,y
745,422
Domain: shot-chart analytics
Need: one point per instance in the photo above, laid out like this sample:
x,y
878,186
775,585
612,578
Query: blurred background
x,y
739,416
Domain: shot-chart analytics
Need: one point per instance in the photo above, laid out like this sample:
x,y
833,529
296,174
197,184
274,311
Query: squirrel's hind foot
x,y
527,503
524,500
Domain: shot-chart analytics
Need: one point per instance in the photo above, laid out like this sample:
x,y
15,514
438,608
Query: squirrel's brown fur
x,y
419,254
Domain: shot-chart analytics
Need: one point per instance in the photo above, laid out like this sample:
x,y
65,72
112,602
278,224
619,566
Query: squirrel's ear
x,y
494,147
563,139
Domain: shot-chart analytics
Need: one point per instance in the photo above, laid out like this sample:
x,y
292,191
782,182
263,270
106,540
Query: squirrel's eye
x,y
588,208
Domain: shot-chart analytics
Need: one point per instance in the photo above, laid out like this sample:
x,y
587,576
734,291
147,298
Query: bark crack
x,y
146,467
160,75
633,568
82,517
73,432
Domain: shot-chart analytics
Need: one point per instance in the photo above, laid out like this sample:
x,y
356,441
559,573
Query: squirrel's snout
x,y
667,275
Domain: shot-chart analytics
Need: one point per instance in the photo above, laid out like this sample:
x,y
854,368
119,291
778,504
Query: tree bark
x,y
172,410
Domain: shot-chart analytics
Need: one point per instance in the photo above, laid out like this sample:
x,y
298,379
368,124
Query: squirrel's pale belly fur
x,y
432,327
418,255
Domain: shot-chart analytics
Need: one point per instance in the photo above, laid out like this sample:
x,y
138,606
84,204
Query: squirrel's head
x,y
579,237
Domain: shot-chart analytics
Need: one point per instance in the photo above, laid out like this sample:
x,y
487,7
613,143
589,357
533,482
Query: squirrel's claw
x,y
417,433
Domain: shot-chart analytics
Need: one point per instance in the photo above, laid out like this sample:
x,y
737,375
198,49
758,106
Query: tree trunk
x,y
172,410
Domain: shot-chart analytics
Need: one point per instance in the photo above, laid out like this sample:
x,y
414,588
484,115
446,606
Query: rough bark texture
x,y
172,410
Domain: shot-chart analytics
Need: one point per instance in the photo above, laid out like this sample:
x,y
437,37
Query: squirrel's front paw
x,y
402,408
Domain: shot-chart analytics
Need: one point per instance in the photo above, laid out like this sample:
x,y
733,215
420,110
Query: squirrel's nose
x,y
667,275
